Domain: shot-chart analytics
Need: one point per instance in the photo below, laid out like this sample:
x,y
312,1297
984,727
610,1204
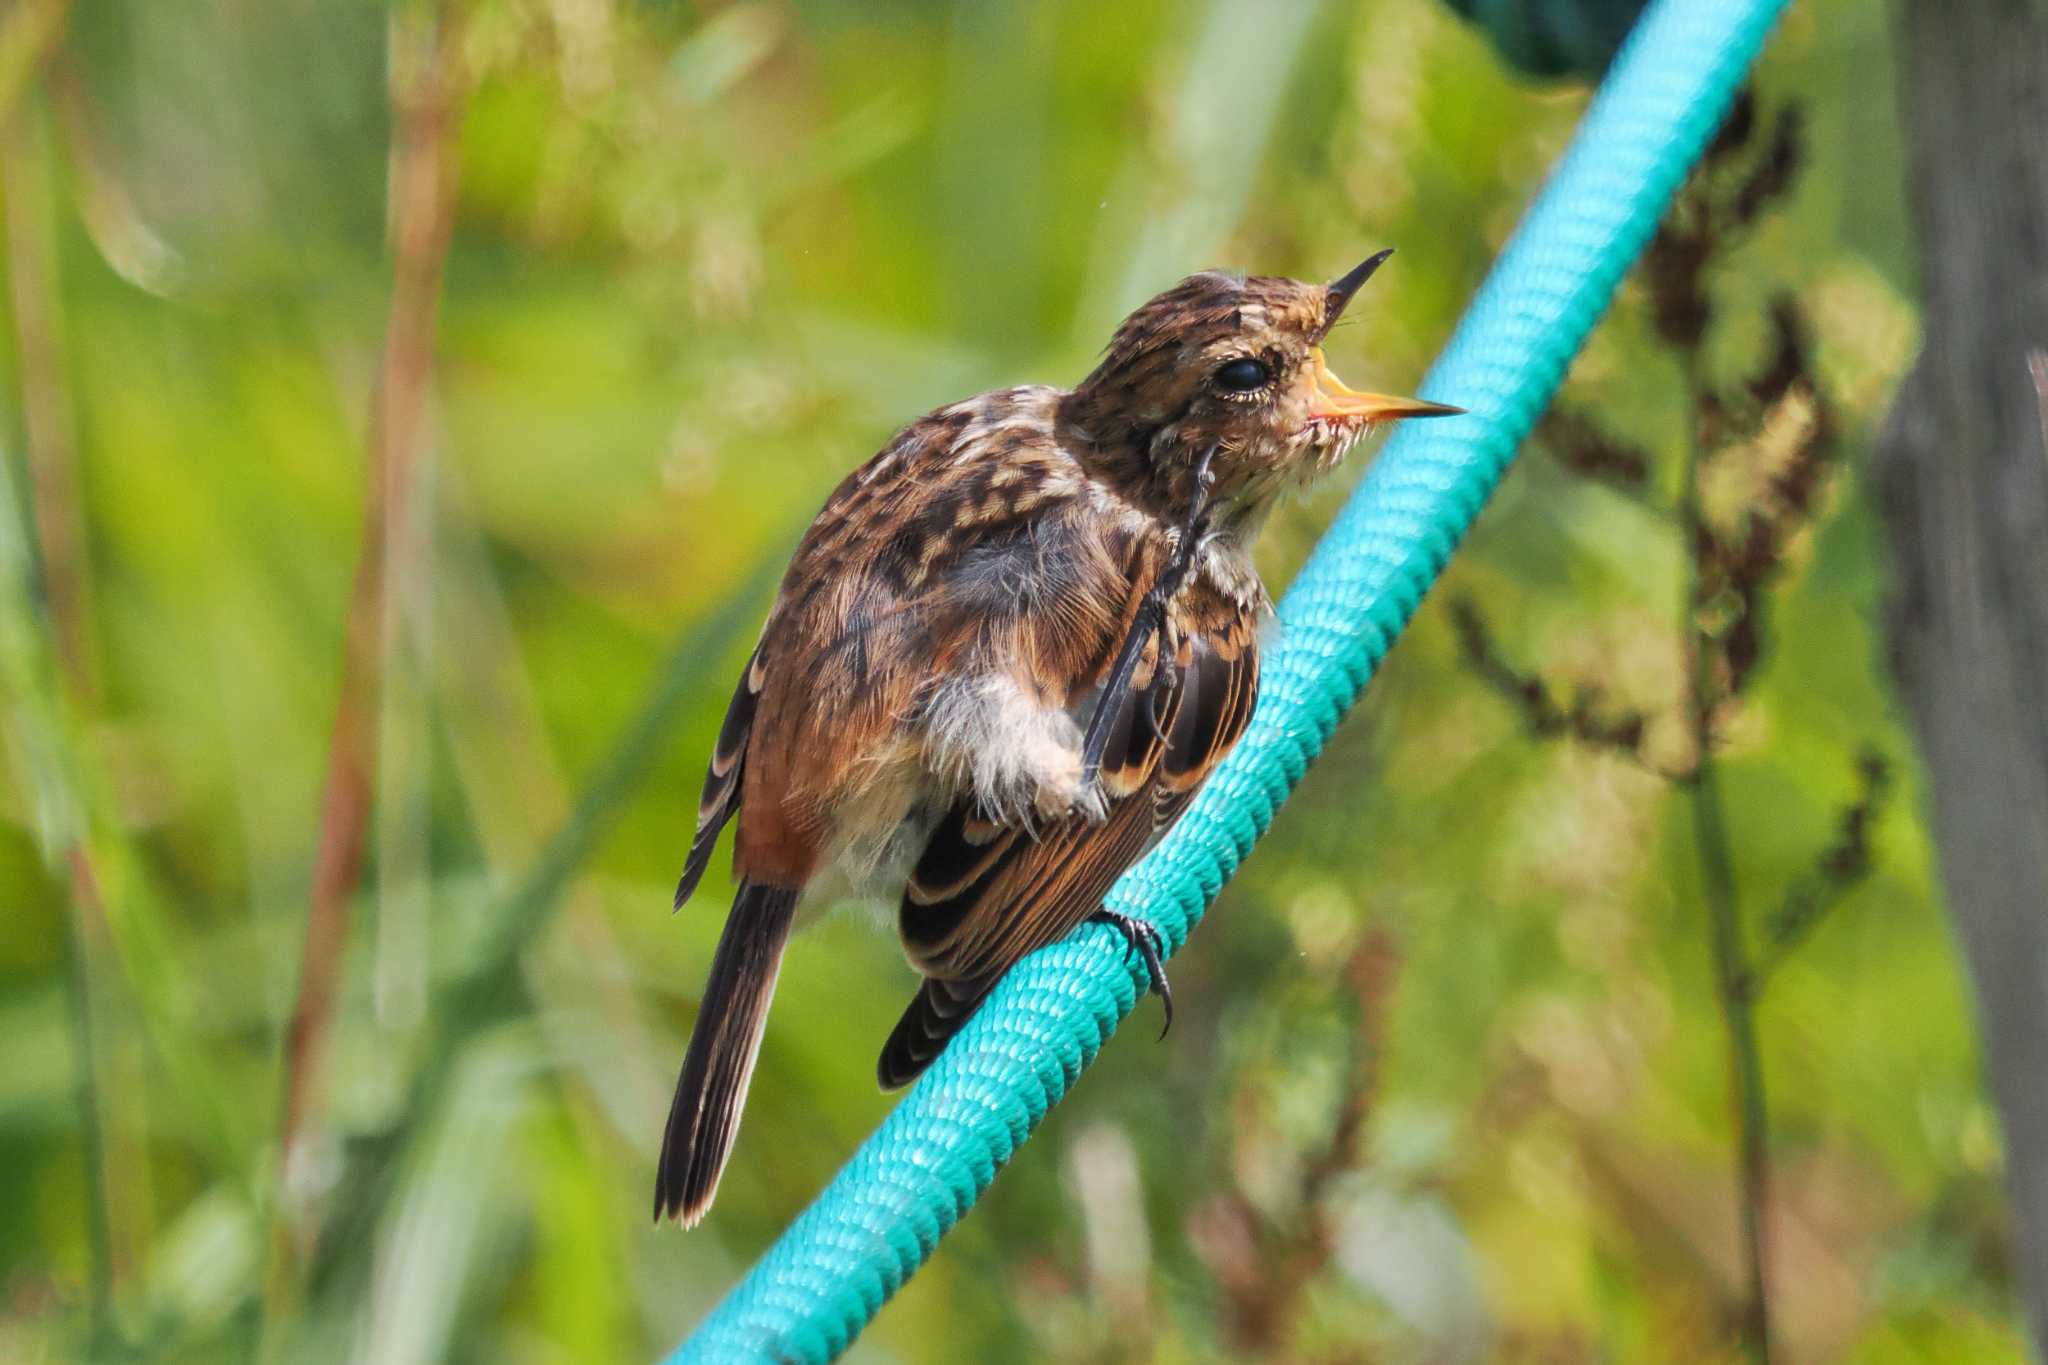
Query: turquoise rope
x,y
920,1172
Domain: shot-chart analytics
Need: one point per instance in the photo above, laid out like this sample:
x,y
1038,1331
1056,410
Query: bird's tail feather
x,y
712,1089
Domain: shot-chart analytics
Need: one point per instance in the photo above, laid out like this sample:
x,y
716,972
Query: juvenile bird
x,y
1006,655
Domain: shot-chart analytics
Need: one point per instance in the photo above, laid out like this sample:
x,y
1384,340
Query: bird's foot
x,y
1141,935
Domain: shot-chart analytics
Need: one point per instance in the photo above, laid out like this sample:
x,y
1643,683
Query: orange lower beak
x,y
1334,399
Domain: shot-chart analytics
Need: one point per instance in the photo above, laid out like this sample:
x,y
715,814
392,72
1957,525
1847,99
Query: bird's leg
x,y
1151,616
1141,935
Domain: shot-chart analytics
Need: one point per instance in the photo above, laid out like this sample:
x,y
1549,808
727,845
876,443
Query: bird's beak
x,y
1335,399
1342,290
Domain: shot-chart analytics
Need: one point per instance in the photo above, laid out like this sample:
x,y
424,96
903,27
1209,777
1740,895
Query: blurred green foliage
x,y
1450,1078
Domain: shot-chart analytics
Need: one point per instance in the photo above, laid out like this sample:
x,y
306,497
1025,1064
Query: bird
x,y
1003,659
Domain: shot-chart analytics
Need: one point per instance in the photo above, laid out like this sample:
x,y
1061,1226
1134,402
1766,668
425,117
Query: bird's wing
x,y
984,895
908,571
721,796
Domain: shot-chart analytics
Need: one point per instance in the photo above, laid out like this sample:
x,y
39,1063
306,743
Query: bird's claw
x,y
1140,934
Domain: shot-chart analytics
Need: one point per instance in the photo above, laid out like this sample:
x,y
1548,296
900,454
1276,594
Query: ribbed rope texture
x,y
884,1213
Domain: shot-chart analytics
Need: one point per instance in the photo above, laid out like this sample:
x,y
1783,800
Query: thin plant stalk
x,y
62,576
52,436
92,1137
425,98
30,32
1717,879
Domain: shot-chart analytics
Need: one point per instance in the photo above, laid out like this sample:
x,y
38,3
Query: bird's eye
x,y
1242,376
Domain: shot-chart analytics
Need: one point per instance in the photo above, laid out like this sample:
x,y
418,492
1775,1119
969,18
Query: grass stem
x,y
1732,980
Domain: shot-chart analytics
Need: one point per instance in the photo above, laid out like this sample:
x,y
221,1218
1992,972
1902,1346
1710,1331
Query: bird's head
x,y
1235,365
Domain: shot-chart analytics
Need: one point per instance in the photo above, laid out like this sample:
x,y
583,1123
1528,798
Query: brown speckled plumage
x,y
914,710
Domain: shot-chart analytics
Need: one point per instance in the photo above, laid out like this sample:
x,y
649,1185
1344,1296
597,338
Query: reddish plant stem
x,y
425,97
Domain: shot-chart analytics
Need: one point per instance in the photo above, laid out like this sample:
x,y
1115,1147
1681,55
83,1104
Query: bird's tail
x,y
713,1087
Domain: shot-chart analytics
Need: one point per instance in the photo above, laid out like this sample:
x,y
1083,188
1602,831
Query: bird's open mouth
x,y
1338,403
